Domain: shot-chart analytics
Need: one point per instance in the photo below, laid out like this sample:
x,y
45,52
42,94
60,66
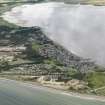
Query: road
x,y
18,93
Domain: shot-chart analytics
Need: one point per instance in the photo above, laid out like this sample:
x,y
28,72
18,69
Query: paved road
x,y
17,93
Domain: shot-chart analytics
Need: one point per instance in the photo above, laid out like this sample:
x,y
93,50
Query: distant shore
x,y
96,3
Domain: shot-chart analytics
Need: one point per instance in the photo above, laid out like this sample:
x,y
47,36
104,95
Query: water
x,y
17,93
79,28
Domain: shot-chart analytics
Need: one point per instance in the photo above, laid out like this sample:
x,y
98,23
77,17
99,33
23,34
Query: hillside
x,y
27,51
35,40
12,35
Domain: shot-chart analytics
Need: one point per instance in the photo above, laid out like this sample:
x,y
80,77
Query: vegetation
x,y
101,92
36,47
95,79
72,73
4,65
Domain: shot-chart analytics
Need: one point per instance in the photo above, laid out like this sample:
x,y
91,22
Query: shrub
x,y
95,79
